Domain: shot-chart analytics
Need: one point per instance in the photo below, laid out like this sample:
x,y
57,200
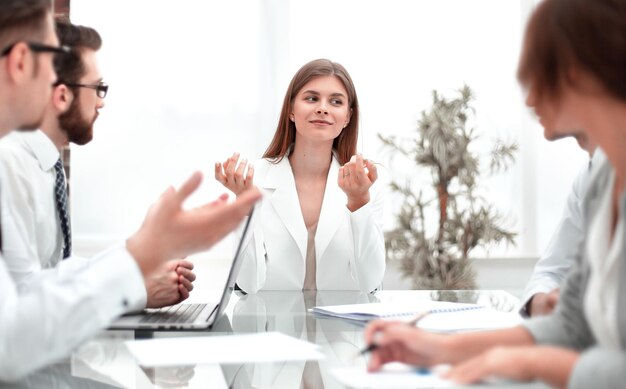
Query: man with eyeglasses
x,y
36,207
61,308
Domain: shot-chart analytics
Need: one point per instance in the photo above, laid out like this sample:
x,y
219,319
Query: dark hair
x,y
562,35
70,68
22,20
345,144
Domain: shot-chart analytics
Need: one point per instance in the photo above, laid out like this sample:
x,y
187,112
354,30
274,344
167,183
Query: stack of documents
x,y
442,316
262,347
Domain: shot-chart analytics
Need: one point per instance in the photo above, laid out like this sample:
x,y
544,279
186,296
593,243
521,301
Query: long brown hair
x,y
563,35
344,145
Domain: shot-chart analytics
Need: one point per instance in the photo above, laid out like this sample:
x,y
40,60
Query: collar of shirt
x,y
43,148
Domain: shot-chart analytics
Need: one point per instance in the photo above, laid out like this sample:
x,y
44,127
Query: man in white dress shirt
x,y
61,308
29,159
542,291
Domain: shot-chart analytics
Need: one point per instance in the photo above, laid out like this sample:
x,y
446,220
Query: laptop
x,y
186,316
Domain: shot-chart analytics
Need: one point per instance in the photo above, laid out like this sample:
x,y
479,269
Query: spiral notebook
x,y
442,316
372,311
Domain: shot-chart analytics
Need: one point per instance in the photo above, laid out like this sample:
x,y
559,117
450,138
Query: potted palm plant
x,y
434,252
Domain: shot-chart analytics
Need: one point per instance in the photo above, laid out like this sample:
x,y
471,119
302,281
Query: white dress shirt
x,y
53,310
603,287
349,246
61,308
28,204
551,269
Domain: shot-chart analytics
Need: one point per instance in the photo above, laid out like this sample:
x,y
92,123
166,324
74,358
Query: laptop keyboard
x,y
183,313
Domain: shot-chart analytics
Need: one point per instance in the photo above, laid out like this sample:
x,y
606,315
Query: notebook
x,y
186,316
443,316
391,311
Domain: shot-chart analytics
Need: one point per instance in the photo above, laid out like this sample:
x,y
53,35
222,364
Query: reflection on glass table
x,y
106,362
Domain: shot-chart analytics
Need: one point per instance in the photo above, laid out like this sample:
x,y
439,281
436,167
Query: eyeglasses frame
x,y
100,88
38,48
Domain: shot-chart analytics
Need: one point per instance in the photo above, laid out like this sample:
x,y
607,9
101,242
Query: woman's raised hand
x,y
356,181
233,174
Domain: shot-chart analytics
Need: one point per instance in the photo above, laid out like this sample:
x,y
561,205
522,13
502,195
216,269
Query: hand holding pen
x,y
395,341
411,323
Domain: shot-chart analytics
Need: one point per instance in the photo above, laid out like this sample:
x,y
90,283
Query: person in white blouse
x,y
542,291
61,308
319,225
28,159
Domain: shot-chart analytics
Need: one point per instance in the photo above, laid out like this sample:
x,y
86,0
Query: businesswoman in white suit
x,y
319,224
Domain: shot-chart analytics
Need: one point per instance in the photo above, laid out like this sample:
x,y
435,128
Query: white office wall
x,y
194,80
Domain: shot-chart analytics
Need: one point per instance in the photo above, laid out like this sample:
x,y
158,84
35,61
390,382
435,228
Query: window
x,y
193,81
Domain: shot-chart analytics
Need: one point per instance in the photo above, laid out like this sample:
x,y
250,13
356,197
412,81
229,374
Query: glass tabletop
x,y
105,362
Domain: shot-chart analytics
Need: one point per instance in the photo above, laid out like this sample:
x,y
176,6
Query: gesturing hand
x,y
169,231
231,174
356,182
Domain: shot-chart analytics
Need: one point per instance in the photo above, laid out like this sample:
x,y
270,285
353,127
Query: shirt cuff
x,y
123,277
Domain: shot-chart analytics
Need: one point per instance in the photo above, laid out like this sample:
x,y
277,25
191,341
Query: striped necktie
x,y
60,195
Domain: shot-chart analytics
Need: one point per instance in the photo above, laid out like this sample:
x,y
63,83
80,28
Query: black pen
x,y
413,322
368,349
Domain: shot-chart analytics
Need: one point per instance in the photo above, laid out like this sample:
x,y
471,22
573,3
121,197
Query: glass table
x,y
105,362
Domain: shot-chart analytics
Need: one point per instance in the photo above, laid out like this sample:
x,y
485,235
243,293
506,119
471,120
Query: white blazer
x,y
349,246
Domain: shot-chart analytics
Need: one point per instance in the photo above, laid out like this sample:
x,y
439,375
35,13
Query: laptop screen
x,y
234,270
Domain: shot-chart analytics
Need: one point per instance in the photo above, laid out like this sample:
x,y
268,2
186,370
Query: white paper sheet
x,y
395,375
400,376
262,347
